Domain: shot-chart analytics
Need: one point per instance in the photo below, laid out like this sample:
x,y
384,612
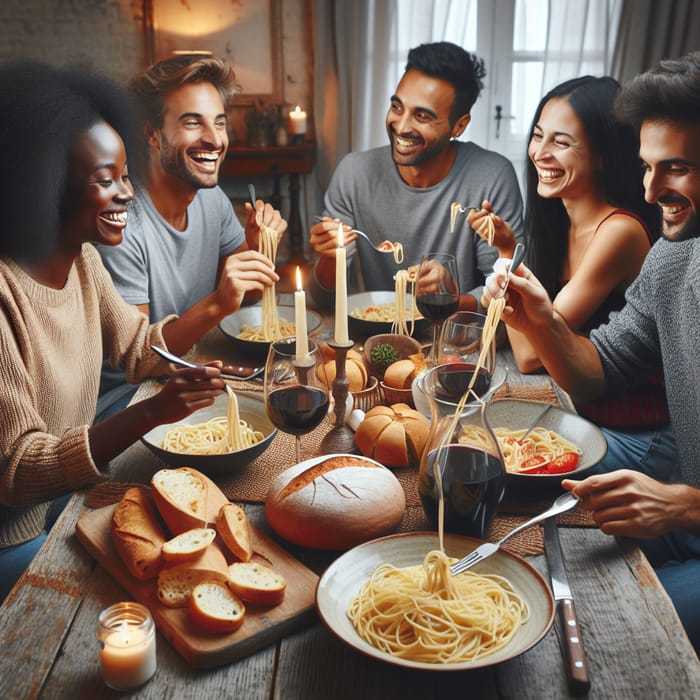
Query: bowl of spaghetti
x,y
463,622
372,313
219,439
563,444
247,328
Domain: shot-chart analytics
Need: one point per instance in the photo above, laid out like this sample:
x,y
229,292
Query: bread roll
x,y
336,503
137,534
255,583
181,498
400,374
176,583
215,608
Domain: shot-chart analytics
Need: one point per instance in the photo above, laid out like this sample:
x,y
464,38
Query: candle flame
x,y
299,288
341,241
297,108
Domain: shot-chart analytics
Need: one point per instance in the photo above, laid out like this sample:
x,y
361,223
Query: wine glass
x,y
296,393
437,293
462,342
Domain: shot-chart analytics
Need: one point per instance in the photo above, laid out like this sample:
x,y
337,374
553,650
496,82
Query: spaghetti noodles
x,y
539,448
426,614
216,436
400,321
396,248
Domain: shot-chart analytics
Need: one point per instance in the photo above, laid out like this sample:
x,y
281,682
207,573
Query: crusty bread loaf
x,y
400,374
176,583
337,503
188,545
234,530
393,435
215,608
137,534
181,498
255,583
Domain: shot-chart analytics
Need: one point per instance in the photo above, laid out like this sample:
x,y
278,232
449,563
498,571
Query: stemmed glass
x,y
296,393
437,294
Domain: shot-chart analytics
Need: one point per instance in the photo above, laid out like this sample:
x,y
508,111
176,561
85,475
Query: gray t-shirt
x,y
367,192
660,325
167,269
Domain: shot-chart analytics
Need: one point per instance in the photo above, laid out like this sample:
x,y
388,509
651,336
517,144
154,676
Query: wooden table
x,y
635,644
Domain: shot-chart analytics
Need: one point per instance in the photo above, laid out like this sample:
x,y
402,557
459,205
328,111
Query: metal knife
x,y
579,682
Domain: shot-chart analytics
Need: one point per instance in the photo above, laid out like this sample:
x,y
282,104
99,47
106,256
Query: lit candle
x,y
128,645
300,321
297,121
341,292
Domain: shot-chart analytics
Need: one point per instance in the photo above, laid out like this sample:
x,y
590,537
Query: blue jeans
x,y
15,560
652,452
676,560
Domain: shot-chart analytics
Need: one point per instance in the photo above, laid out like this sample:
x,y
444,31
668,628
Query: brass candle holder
x,y
341,438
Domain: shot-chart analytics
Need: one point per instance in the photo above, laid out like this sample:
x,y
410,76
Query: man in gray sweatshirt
x,y
404,191
659,326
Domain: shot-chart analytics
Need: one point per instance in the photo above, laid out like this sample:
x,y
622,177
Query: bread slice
x,y
234,530
215,499
181,498
214,608
188,545
137,534
176,583
255,583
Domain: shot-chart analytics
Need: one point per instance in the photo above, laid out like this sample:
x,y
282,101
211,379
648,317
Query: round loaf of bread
x,y
335,502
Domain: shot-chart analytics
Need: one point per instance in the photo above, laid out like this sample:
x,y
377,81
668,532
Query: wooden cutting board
x,y
262,624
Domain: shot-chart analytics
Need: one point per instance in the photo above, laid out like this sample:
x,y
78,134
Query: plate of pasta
x,y
219,439
372,313
503,594
562,445
251,331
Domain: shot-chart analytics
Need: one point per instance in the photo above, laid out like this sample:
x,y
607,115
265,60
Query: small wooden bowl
x,y
403,344
369,397
392,396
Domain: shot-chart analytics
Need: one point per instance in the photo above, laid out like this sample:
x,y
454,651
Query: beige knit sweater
x,y
52,343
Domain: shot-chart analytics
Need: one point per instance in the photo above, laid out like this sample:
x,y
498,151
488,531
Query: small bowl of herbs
x,y
386,348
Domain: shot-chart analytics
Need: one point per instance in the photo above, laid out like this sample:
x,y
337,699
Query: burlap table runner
x,y
251,484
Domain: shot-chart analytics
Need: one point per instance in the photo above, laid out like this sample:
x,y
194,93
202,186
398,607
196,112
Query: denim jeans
x,y
14,560
653,452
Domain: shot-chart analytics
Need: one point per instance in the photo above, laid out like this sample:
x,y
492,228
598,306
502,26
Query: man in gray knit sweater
x,y
403,192
659,326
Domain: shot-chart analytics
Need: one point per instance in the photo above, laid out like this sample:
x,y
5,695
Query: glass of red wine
x,y
462,341
296,393
461,477
437,293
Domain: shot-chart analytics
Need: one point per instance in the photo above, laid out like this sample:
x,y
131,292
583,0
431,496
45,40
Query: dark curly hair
x,y
463,70
43,111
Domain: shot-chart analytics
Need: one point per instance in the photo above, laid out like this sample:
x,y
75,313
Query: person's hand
x,y
632,504
324,236
263,215
527,303
243,272
503,239
187,391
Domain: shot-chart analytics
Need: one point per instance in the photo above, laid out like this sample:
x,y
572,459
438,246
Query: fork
x,y
227,371
565,502
365,236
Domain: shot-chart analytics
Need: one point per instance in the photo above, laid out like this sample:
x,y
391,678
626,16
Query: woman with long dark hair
x,y
589,231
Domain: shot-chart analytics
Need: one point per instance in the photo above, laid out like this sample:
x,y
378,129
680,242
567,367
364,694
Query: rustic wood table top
x,y
634,642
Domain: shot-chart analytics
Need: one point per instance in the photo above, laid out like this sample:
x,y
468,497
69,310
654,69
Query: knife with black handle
x,y
579,682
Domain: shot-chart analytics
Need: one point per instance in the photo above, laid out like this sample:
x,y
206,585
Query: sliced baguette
x,y
176,583
234,530
215,608
181,498
137,534
255,583
215,499
188,545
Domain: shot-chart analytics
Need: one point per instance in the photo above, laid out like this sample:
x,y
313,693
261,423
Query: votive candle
x,y
341,292
297,121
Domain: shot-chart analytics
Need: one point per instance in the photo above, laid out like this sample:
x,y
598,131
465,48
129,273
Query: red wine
x,y
473,483
453,380
437,307
297,409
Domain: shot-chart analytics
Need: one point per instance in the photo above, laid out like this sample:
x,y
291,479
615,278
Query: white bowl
x,y
366,328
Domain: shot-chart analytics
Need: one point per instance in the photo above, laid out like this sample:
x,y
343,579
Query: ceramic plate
x,y
233,324
367,328
345,576
516,414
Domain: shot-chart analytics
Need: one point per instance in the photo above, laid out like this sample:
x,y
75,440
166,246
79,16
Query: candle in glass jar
x,y
302,340
297,121
341,292
127,645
